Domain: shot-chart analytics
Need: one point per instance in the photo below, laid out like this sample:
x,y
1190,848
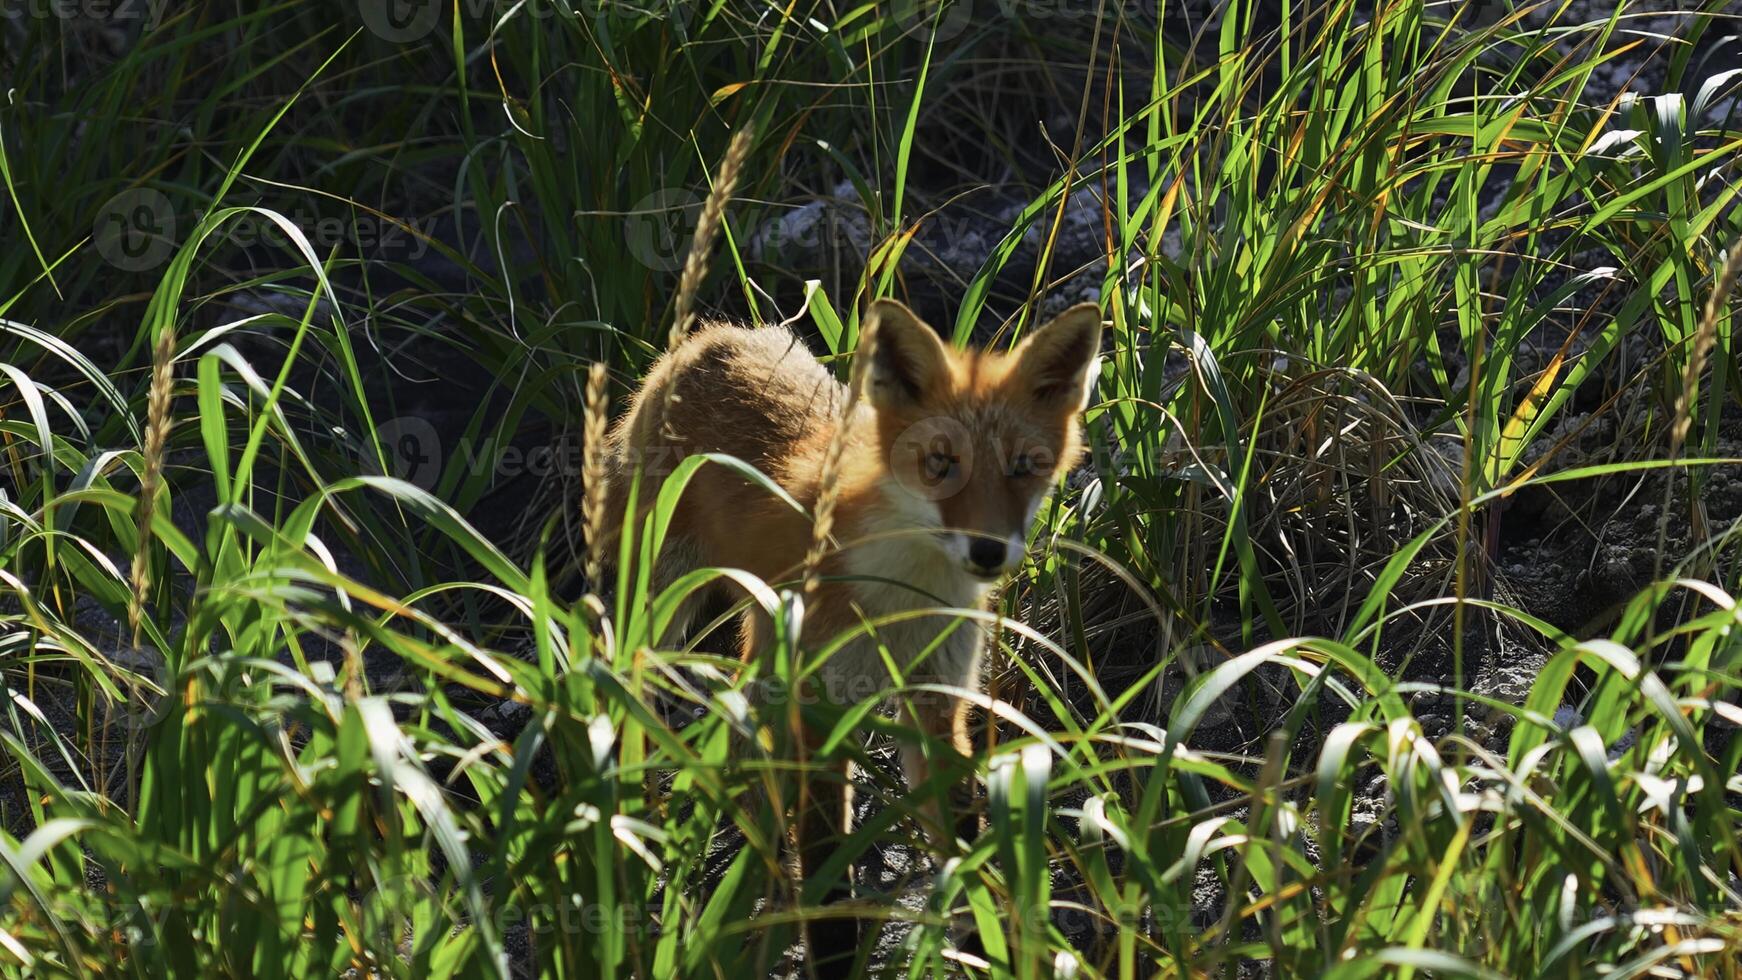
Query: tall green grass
x,y
1358,267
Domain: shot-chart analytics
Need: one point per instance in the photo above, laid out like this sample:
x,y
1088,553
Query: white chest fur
x,y
902,584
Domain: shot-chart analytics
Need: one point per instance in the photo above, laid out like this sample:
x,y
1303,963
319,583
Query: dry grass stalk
x,y
1704,340
594,471
595,425
695,266
828,481
157,422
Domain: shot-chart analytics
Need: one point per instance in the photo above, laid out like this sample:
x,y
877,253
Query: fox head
x,y
976,439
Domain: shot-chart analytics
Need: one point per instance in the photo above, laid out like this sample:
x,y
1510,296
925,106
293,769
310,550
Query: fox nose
x,y
986,555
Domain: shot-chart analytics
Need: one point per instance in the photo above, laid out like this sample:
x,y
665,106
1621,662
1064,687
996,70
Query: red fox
x,y
944,463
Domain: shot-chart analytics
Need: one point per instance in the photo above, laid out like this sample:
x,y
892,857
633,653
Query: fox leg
x,y
825,813
822,818
943,721
677,557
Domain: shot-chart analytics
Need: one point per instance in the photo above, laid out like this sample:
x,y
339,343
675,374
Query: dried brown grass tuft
x,y
1704,340
594,471
695,267
157,425
828,481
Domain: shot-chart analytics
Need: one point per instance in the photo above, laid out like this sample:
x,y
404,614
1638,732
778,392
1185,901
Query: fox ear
x,y
907,356
1058,362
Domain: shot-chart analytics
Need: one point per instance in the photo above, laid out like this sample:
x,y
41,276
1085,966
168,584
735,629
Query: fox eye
x,y
1022,465
939,466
